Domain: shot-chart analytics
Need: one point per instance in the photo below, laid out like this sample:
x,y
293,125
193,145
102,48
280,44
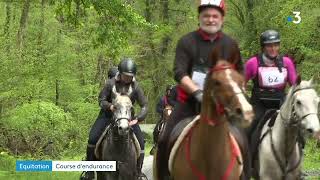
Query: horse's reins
x,y
220,109
293,122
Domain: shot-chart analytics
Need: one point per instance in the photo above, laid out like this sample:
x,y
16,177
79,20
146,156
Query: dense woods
x,y
54,57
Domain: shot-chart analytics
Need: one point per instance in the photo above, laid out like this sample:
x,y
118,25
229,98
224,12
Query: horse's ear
x,y
298,81
235,55
311,81
215,54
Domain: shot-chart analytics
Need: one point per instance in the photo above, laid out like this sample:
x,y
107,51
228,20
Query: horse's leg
x,y
101,175
154,166
294,160
268,168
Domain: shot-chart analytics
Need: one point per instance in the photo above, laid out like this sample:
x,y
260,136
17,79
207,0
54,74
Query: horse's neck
x,y
214,138
217,133
284,135
121,142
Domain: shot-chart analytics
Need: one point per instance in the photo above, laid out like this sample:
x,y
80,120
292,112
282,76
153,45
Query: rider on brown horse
x,y
169,100
191,66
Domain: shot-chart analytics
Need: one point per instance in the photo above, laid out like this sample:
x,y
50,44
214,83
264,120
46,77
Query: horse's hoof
x,y
142,176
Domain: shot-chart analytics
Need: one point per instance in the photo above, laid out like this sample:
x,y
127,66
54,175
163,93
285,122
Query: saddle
x,y
182,129
255,139
162,162
102,139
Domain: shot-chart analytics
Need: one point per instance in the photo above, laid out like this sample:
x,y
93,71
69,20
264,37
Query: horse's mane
x,y
227,51
124,98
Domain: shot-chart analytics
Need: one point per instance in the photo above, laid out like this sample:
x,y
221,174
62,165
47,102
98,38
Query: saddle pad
x,y
96,151
179,140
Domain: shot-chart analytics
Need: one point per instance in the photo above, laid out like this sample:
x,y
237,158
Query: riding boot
x,y
89,175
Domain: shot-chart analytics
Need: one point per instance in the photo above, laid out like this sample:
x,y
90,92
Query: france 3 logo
x,y
296,19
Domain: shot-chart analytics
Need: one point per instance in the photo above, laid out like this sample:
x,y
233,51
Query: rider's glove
x,y
198,95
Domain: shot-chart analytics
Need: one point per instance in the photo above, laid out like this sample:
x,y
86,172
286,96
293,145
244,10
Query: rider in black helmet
x,y
122,82
112,72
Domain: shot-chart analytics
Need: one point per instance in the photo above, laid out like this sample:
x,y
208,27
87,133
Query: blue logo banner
x,y
33,165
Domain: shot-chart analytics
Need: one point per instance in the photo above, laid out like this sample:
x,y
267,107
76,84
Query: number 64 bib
x,y
271,77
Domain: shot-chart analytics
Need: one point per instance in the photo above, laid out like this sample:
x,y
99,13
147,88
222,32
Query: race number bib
x,y
199,78
271,77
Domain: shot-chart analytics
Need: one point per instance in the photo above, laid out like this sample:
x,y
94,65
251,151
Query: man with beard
x,y
190,68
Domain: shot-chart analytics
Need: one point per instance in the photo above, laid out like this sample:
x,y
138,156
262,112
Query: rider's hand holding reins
x,y
112,108
133,122
198,95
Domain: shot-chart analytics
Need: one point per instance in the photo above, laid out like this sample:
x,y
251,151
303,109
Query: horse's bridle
x,y
295,120
221,108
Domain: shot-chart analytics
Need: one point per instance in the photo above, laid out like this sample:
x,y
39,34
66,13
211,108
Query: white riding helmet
x,y
219,4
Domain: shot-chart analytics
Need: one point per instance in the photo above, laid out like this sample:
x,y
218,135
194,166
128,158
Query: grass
x,y
312,156
7,168
7,165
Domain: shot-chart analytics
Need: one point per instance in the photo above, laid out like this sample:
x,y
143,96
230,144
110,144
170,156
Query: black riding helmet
x,y
169,88
112,72
127,67
269,36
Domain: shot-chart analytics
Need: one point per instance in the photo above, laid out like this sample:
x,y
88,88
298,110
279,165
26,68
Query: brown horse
x,y
208,151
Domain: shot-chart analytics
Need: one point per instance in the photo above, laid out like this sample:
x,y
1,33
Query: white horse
x,y
280,154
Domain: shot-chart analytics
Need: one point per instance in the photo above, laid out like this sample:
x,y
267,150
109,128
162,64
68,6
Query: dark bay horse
x,y
159,126
120,144
165,116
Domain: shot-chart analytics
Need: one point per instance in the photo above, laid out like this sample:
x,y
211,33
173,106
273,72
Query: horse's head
x,y
167,111
304,106
122,114
225,88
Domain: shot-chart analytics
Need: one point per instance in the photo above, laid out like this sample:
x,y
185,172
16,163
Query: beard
x,y
212,28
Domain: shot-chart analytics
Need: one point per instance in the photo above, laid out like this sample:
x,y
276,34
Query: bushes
x,y
37,128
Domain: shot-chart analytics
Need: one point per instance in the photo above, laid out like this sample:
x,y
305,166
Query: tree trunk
x,y
165,19
57,81
23,23
252,29
6,29
40,36
77,12
57,93
101,71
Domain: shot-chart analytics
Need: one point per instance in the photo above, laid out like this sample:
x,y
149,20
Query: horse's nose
x,y
310,130
239,111
248,117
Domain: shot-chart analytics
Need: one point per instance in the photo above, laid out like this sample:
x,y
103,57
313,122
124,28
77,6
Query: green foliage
x,y
36,125
50,82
